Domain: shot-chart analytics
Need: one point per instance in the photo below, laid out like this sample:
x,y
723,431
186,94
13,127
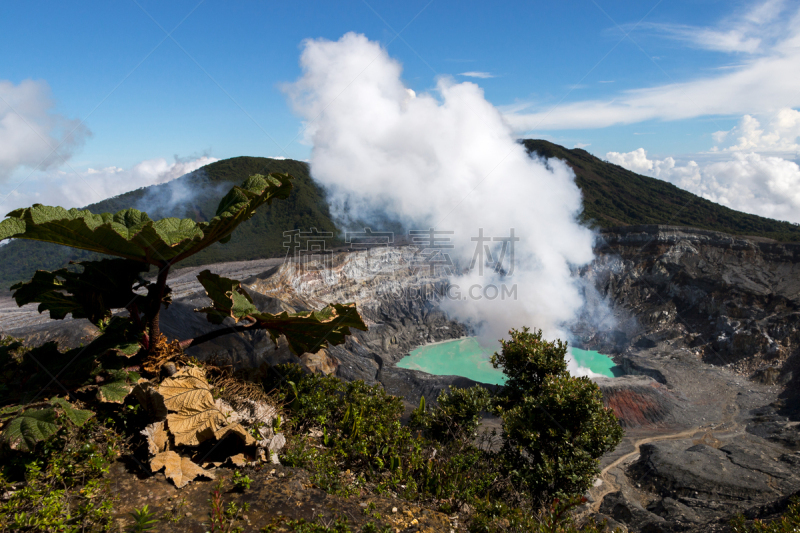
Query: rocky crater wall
x,y
733,301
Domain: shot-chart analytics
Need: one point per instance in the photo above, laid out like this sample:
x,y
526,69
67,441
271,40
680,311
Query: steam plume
x,y
445,160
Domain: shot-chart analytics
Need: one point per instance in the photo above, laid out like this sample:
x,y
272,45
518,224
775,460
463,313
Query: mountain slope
x,y
196,196
614,196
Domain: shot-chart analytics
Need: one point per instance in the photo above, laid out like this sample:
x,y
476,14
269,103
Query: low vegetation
x,y
348,435
789,522
555,428
120,378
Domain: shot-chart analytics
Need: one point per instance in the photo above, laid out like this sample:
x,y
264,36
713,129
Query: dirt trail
x,y
609,486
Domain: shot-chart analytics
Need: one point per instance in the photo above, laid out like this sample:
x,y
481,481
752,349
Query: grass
x,y
61,486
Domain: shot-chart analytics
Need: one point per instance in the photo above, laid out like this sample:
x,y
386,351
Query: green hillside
x,y
261,236
613,196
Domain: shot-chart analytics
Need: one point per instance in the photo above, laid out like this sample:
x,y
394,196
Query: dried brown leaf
x,y
240,460
184,388
196,416
157,437
239,431
181,470
195,426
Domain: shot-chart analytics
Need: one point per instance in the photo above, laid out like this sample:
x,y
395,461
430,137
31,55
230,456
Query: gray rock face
x,y
700,313
732,300
632,514
699,472
674,511
700,483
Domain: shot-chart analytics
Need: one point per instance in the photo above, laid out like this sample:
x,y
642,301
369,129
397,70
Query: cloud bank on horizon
x,y
40,143
68,188
446,161
751,173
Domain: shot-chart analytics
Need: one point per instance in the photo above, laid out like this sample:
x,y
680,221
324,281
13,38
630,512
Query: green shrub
x,y
361,432
555,427
456,416
360,426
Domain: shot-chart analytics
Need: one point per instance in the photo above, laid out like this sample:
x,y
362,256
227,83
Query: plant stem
x,y
188,343
133,311
157,294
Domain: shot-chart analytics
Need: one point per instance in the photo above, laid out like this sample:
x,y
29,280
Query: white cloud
x,y
473,74
749,182
581,145
446,161
67,189
764,12
721,41
744,32
762,84
31,134
780,135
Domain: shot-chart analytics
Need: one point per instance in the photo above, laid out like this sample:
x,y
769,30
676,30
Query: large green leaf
x,y
305,332
310,331
228,298
117,386
32,426
36,424
93,293
133,235
9,411
77,416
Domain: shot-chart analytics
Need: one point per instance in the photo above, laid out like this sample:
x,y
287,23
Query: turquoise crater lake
x,y
466,357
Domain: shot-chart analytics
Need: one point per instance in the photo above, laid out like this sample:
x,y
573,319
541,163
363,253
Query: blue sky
x,y
613,77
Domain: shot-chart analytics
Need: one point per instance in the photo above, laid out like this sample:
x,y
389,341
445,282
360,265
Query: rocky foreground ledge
x,y
278,494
